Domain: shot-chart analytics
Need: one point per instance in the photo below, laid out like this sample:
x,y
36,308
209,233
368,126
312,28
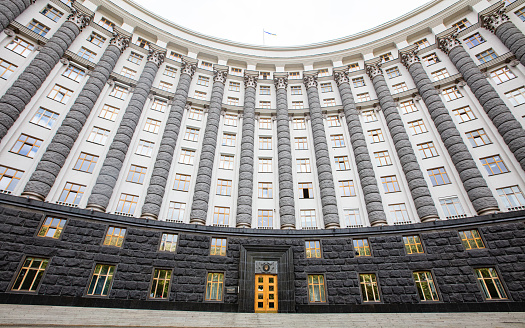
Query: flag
x,y
269,33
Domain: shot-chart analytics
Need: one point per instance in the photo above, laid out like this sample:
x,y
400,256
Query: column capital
x,y
310,80
156,56
120,41
341,77
220,75
448,41
280,82
373,69
250,80
78,18
409,57
188,67
492,19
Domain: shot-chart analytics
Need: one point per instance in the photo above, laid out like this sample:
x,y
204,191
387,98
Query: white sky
x,y
296,22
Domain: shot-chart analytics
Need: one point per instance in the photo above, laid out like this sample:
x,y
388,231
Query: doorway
x,y
266,293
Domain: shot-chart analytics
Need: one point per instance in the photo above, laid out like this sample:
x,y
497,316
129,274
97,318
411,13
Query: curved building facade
x,y
142,161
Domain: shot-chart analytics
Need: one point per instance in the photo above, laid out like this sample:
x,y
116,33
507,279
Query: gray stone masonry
x,y
473,182
49,167
498,112
284,156
201,195
423,201
11,9
365,168
161,169
244,200
322,156
16,98
107,178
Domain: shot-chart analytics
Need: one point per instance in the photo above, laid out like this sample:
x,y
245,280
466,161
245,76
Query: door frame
x,y
276,299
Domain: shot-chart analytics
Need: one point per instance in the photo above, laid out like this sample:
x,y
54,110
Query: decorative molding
x,y
417,98
156,56
280,82
187,107
119,41
461,84
448,42
9,32
310,81
493,19
268,267
64,61
373,69
341,77
79,19
188,68
220,76
409,58
111,82
250,81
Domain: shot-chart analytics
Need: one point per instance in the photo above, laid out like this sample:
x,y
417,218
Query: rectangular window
x,y
176,212
425,286
30,274
182,182
127,203
427,150
170,71
413,244
313,249
474,40
294,75
502,75
214,287
221,216
165,86
128,72
382,158
38,27
296,90
206,65
316,288
191,134
159,105
451,93
74,73
265,219
160,284
440,75
393,72
299,124
422,43
230,119
361,247
486,56
200,95
136,174
512,197
265,190
352,218
494,165
21,47
361,97
175,56
369,288
26,146
490,284
301,143
109,112
44,118
370,116
376,136
521,14
478,138
324,72
390,184
9,178
236,71
234,86
52,228
6,69
142,43
417,127
264,104
96,39
196,114
471,239
438,176
264,90
265,123
135,58
303,165
462,24
224,187
115,236
329,102
353,67
306,190
464,114
408,107
358,82
400,87
87,54
101,280
347,188
52,13
308,220
399,213
86,163
326,87
106,24
226,162
60,94
98,136
203,80
145,148
168,242
337,140
516,97
228,139
452,207
119,92
233,101
430,59
342,163
152,126
218,246
386,57
297,105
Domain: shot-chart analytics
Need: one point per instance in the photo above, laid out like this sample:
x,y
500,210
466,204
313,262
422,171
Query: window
x,y
52,13
191,134
264,90
474,40
352,218
308,219
299,124
265,123
297,105
265,190
98,136
236,71
44,118
306,190
386,57
430,59
26,146
72,193
440,75
175,56
452,207
363,97
400,87
119,92
168,242
106,24
516,97
422,44
313,249
512,197
101,280
203,80
176,212
142,43
264,104
228,139
9,178
221,216
316,288
324,72
451,93
382,158
358,82
398,213
160,284
30,274
87,54
6,69
337,140
52,228
408,107
224,187
333,121
326,87
60,94
115,236
159,105
521,14
136,174
109,112
329,102
265,143
127,203
353,67
503,75
182,182
265,219
369,288
413,244
301,143
427,150
425,286
214,286
296,90
233,101
218,246
417,127
196,114
234,86
464,114
478,138
393,72
145,148
38,28
226,162
86,163
170,71
494,165
294,75
206,65
127,72
361,247
490,283
152,125
376,136
486,56
230,119
342,163
97,40
347,188
135,58
21,47
462,24
74,73
390,184
508,2
165,86
438,176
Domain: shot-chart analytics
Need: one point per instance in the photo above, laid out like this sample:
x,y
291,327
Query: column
x,y
244,200
284,155
322,157
498,112
201,195
9,10
161,169
24,88
425,207
49,167
365,169
496,21
473,182
106,180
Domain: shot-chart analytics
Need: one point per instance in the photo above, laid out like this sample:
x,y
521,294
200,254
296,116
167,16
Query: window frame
x,y
167,298
379,294
225,247
208,272
102,243
160,243
43,220
95,263
323,302
19,268
503,285
433,276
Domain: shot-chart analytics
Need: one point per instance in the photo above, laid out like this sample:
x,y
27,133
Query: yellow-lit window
x,y
191,134
115,236
464,114
98,136
38,28
462,24
45,118
165,86
182,182
316,288
301,143
176,212
478,138
303,165
313,249
369,288
399,213
160,284
224,187
486,56
400,87
382,158
393,72
187,156
353,67
471,239
97,39
21,47
109,112
60,94
30,274
170,71
265,219
430,59
490,284
265,123
86,54
221,216
337,140
228,139
299,124
230,119
226,162
427,150
128,72
297,105
145,148
361,247
26,146
422,43
52,227
152,125
347,188
376,135
86,163
425,286
214,286
119,92
234,86
196,114
342,163
438,176
265,190
451,93
326,87
417,127
413,244
474,40
127,203
264,90
74,73
306,190
363,97
502,75
265,165
9,178
494,165
358,82
440,75
390,184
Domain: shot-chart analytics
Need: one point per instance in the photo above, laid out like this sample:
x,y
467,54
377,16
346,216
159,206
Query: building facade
x,y
144,161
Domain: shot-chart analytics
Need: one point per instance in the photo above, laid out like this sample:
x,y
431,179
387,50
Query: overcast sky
x,y
296,22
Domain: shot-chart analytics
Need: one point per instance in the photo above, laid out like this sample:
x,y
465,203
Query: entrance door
x,y
266,293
